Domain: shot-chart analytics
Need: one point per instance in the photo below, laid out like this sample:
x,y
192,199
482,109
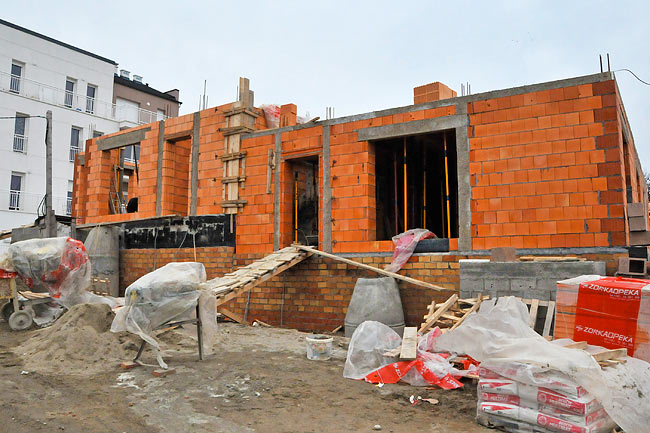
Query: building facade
x,y
549,169
37,74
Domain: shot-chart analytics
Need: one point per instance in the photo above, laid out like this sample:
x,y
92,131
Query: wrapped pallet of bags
x,y
59,266
167,294
529,384
562,406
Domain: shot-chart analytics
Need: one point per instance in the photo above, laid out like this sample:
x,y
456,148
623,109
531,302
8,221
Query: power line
x,y
635,75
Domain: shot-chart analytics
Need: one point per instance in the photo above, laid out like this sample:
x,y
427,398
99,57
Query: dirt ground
x,y
259,381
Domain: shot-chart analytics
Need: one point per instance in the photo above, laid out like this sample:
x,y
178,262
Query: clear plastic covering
x,y
367,359
405,244
167,294
499,337
57,265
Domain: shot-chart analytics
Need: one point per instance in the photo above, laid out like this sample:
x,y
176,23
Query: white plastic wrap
x,y
499,334
58,265
164,295
367,345
405,244
366,356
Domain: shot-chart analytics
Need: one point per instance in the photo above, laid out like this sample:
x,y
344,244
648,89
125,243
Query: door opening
x,y
304,196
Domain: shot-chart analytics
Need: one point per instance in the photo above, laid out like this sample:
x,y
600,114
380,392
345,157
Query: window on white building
x,y
20,133
15,189
97,134
91,93
16,76
75,142
69,198
130,154
69,92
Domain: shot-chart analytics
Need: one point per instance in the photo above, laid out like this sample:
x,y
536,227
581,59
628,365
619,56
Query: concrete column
x,y
194,175
327,192
277,193
464,185
161,144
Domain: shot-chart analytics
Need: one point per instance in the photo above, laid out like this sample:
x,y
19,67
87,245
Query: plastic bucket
x,y
319,347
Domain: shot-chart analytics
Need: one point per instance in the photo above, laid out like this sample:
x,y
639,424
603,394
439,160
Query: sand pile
x,y
79,343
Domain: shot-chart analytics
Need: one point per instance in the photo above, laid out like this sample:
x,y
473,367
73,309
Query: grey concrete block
x,y
638,224
636,210
520,284
496,285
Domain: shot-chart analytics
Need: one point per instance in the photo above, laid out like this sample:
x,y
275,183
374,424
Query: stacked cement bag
x,y
562,406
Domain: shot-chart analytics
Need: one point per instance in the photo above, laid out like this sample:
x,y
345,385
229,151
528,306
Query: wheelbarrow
x,y
17,306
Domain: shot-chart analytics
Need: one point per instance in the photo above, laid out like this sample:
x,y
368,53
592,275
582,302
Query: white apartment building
x,y
37,74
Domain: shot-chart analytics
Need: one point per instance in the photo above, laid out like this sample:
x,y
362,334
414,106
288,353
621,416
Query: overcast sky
x,y
356,56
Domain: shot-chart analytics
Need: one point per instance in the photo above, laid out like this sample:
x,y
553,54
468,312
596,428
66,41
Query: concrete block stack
x,y
516,406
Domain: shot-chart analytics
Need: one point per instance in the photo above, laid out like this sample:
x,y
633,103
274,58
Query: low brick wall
x,y
135,263
314,294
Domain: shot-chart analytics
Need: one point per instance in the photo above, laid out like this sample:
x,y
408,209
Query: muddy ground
x,y
260,381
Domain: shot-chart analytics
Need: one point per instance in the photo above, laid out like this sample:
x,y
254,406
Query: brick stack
x,y
610,312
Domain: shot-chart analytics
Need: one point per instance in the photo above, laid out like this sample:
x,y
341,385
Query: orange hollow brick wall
x,y
176,167
546,169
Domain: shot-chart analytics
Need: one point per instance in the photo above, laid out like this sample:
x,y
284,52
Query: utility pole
x,y
50,219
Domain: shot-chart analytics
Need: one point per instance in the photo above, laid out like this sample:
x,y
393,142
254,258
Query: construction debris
x,y
450,314
500,338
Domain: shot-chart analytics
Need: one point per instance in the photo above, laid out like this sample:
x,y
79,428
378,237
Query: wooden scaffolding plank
x,y
409,343
439,312
534,305
372,268
470,311
267,276
549,319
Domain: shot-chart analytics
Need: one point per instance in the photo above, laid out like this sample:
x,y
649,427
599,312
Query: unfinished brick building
x,y
547,168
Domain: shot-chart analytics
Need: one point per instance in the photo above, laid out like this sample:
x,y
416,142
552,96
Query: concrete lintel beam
x,y
412,128
122,140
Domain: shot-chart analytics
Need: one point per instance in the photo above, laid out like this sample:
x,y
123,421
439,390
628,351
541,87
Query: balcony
x,y
21,201
74,150
126,115
20,143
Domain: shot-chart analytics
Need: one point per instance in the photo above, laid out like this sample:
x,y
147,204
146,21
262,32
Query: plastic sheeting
x,y
499,335
366,360
405,244
169,293
58,265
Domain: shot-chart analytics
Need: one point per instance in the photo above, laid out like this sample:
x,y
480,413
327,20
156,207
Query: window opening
x,y
416,184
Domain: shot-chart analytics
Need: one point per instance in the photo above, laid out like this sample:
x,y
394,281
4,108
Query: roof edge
x,y
57,42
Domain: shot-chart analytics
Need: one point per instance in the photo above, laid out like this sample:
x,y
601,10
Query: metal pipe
x,y
405,190
444,140
424,192
395,202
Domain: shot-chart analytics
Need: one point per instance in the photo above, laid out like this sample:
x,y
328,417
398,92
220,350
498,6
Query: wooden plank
x,y
549,319
234,316
439,312
470,311
606,355
409,343
577,345
234,293
533,313
372,268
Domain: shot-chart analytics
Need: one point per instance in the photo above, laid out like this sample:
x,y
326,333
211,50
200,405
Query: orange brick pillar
x,y
288,115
